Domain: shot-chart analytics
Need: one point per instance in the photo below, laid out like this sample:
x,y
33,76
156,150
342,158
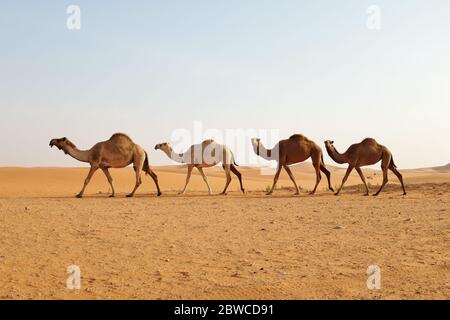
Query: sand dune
x,y
445,168
232,247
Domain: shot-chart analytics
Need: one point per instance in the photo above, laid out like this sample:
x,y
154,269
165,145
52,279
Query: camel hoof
x,y
243,191
375,195
366,195
130,195
404,193
223,194
159,194
269,194
336,194
312,193
112,196
296,194
79,196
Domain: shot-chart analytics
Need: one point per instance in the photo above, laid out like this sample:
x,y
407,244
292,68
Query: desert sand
x,y
237,246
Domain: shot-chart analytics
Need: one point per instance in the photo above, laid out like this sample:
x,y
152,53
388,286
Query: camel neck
x,y
336,156
177,157
263,152
80,155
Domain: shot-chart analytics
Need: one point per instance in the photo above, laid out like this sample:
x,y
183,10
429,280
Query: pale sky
x,y
150,68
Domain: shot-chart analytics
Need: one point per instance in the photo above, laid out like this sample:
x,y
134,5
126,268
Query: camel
x,y
296,149
117,152
206,154
366,153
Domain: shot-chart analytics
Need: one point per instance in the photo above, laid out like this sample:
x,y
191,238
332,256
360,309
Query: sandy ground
x,y
238,246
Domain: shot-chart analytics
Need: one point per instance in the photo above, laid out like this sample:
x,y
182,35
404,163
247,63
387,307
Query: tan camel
x,y
366,153
117,152
296,149
206,154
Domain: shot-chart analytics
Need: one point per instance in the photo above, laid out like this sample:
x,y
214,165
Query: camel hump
x,y
369,141
208,141
121,136
298,137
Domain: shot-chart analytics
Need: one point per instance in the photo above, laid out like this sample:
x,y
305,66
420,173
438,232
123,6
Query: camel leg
x,y
205,178
399,176
86,182
288,170
138,181
238,174
349,170
110,180
385,162
358,169
275,179
226,167
155,179
188,177
385,181
318,177
327,174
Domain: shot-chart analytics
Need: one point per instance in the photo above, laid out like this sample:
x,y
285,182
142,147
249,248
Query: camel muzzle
x,y
52,143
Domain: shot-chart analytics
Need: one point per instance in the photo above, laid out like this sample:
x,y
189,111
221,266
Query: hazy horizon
x,y
152,68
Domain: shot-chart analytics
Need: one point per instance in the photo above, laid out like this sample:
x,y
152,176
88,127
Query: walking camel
x,y
296,149
206,154
366,153
117,152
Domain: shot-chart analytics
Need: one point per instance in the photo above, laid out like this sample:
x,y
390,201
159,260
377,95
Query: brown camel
x,y
117,152
206,154
296,149
366,153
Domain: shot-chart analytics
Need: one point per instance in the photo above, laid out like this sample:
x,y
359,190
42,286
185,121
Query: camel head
x,y
329,144
61,144
165,146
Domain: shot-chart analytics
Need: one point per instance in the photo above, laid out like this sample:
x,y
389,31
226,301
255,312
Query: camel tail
x,y
234,161
393,163
146,166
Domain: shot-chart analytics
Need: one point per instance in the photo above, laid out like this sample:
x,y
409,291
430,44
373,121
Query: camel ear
x,y
64,139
